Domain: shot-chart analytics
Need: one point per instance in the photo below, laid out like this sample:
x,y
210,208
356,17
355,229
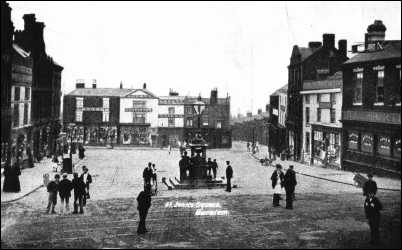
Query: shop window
x,y
384,145
358,88
380,87
353,140
367,143
396,147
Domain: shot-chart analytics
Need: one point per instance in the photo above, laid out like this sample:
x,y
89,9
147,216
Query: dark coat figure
x,y
11,179
275,180
183,165
144,203
52,189
229,176
372,207
290,184
87,179
214,168
81,152
147,174
369,186
79,193
65,187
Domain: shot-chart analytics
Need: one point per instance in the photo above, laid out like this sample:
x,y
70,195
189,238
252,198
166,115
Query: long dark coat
x,y
274,178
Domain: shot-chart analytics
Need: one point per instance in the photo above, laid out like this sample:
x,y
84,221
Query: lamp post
x,y
199,108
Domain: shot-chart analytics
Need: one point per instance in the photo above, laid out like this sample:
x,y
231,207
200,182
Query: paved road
x,y
327,214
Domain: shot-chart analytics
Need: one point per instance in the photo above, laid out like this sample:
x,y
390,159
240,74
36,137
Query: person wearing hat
x,y
65,187
277,179
229,176
52,189
79,193
87,178
369,186
372,207
147,174
290,184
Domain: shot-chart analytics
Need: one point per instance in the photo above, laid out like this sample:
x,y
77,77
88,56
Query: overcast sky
x,y
242,48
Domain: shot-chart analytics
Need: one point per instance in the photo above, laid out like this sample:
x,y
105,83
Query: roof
x,y
391,50
283,90
117,92
331,82
21,51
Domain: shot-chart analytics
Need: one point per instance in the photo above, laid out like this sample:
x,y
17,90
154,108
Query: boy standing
x,y
372,207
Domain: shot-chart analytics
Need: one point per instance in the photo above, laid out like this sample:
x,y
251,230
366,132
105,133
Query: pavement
x,y
31,179
327,173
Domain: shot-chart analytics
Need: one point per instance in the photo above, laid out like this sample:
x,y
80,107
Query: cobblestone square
x,y
326,214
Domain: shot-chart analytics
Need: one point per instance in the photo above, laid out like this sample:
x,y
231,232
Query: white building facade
x,y
322,128
138,118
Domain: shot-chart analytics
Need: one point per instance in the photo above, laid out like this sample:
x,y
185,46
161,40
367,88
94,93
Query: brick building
x,y
46,88
317,61
92,115
322,129
371,110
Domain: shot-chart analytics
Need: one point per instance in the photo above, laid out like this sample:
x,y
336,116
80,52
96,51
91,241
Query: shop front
x,y
136,135
326,145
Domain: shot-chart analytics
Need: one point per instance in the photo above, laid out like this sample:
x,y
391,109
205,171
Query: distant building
x,y
322,129
91,115
138,117
278,107
371,110
316,62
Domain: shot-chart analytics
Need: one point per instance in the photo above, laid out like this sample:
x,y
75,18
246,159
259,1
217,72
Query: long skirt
x,y
11,184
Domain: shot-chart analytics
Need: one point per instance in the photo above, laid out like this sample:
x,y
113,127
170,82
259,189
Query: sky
x,y
240,48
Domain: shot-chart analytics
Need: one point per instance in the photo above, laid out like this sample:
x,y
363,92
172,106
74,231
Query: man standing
x,y
372,207
214,168
147,174
81,151
290,184
369,186
277,179
144,203
65,187
87,179
229,175
52,189
183,167
79,193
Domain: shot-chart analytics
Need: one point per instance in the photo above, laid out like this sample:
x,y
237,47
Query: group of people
x,y
254,147
80,186
279,181
149,175
187,164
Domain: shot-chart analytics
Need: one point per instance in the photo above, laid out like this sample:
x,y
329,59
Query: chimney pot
x,y
121,85
314,45
144,86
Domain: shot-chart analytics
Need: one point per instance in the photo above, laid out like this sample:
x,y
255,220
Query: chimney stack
x,y
214,96
94,83
121,84
328,40
343,47
144,86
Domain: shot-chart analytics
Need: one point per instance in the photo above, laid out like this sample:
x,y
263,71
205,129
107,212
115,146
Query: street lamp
x,y
199,108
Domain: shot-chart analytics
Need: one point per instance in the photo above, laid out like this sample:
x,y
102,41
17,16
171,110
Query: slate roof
x,y
283,90
331,82
391,49
115,92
